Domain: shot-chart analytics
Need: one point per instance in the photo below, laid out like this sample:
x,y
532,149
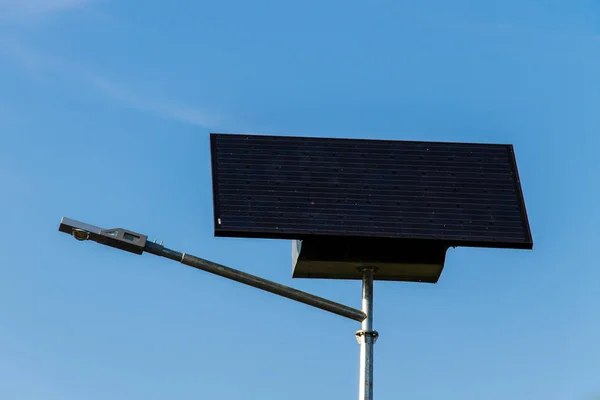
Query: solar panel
x,y
281,187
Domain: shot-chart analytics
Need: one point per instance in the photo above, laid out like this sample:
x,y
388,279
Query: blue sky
x,y
105,110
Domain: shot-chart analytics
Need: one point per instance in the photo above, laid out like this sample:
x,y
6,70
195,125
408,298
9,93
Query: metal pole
x,y
255,281
366,338
137,243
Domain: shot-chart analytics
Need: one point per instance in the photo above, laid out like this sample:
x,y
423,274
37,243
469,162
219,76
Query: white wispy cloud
x,y
161,108
46,68
541,28
11,9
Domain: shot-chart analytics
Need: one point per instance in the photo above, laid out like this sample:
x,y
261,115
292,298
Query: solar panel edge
x,y
230,233
519,190
215,184
259,135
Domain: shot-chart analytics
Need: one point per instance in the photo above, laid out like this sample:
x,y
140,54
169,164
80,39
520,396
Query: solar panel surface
x,y
300,187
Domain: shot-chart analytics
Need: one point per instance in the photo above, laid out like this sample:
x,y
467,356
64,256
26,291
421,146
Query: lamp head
x,y
80,234
117,237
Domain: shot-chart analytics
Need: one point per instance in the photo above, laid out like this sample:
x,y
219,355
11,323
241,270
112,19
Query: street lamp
x,y
137,243
354,209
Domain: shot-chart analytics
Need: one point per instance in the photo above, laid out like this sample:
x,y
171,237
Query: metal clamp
x,y
359,334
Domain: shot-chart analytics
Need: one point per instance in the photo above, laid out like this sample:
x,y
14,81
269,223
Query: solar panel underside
x,y
299,187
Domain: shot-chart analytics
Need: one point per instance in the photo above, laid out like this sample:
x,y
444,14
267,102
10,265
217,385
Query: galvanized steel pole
x,y
255,281
366,338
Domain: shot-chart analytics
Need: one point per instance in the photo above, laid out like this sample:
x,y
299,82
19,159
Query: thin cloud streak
x,y
164,109
478,27
42,67
14,9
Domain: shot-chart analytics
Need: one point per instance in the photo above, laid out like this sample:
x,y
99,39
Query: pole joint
x,y
368,268
360,334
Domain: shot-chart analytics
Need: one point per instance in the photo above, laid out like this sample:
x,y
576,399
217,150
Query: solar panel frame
x,y
224,230
521,197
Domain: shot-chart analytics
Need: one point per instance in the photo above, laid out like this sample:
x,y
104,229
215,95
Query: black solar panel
x,y
300,187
